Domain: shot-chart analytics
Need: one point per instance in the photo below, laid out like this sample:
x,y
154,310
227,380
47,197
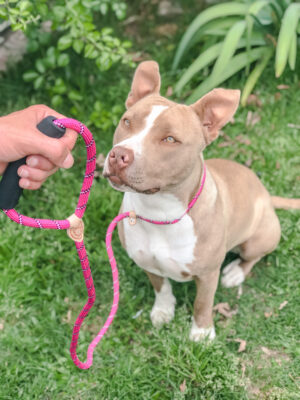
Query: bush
x,y
233,36
67,39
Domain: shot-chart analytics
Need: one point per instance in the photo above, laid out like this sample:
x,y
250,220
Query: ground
x,y
42,289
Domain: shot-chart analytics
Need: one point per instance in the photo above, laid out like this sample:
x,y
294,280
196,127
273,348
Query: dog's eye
x,y
169,139
126,122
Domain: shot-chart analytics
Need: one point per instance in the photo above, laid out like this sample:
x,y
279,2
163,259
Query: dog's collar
x,y
133,216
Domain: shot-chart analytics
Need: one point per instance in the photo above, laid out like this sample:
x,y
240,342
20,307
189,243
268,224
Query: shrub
x,y
233,36
67,39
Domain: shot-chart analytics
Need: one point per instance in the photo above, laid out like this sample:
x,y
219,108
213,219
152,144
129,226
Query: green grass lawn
x,y
42,289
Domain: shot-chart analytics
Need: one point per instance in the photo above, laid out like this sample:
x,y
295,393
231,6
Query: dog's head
x,y
158,142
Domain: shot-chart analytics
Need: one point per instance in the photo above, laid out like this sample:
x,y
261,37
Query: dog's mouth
x,y
118,184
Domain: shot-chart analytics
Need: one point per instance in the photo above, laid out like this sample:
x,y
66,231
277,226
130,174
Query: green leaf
x,y
255,74
285,38
25,5
103,8
104,62
120,10
64,42
237,63
293,53
50,60
56,100
211,13
59,86
229,47
207,57
204,59
63,60
78,45
253,10
40,66
276,9
219,26
59,12
90,51
38,83
75,95
29,76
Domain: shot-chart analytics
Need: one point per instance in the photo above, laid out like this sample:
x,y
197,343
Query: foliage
x,y
64,35
237,34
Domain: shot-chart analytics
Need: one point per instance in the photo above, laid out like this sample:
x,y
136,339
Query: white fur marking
x,y
233,274
135,143
197,334
164,306
163,250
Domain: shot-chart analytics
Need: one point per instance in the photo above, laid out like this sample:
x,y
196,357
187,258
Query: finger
x,y
69,138
30,185
40,162
3,166
55,150
34,174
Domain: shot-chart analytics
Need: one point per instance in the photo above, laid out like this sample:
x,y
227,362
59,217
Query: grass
x,y
42,290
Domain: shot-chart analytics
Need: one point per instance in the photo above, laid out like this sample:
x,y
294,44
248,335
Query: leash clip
x,y
132,218
76,230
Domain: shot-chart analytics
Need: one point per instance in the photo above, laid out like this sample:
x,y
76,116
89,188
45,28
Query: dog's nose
x,y
120,158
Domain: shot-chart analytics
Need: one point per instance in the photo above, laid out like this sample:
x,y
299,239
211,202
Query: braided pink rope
x,y
82,254
65,224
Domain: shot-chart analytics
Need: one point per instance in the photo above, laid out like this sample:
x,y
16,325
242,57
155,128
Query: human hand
x,y
19,137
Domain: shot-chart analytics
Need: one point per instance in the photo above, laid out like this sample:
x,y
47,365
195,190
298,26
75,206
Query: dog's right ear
x,y
146,81
215,109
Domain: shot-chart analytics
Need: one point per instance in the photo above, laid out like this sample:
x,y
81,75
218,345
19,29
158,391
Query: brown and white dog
x,y
157,161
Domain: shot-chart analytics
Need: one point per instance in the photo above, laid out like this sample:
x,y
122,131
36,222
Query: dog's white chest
x,y
164,250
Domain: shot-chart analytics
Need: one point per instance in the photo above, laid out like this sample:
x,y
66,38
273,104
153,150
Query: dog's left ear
x,y
215,109
146,81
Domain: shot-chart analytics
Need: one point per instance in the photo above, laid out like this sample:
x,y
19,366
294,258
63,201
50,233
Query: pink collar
x,y
133,216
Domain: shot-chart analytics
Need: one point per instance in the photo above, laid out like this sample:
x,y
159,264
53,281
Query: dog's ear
x,y
215,109
146,81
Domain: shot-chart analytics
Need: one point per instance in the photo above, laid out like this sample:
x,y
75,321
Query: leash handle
x,y
10,191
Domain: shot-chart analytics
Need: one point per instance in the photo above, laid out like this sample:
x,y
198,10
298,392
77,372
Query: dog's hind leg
x,y
263,241
164,306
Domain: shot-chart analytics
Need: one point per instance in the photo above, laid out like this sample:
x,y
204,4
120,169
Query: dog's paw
x,y
198,334
233,274
161,316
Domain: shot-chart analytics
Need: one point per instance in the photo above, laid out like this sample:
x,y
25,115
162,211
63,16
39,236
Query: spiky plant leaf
x,y
286,34
204,59
293,52
253,11
208,56
255,74
237,63
211,13
220,24
229,47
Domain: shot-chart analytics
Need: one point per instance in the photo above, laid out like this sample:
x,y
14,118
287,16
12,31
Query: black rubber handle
x,y
10,190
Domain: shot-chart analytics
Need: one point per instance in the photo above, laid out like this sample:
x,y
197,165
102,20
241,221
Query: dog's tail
x,y
287,204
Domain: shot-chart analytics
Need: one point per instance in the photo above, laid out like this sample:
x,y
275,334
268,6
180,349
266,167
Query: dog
x,y
157,160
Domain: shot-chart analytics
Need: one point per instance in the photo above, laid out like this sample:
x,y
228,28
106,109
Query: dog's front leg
x,y
202,325
164,306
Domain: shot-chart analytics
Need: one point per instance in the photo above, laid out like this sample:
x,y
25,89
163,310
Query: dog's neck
x,y
168,204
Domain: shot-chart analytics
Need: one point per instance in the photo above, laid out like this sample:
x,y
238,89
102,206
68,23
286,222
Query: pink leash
x,y
74,226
